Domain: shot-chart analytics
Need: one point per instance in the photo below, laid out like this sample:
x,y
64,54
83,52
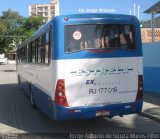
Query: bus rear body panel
x,y
93,82
108,86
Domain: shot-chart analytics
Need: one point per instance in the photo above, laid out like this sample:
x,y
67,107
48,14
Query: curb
x,y
150,116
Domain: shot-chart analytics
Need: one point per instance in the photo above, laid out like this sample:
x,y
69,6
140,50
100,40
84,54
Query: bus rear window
x,y
99,36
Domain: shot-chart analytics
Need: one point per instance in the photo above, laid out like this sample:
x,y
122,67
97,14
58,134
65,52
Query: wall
x,y
151,53
146,35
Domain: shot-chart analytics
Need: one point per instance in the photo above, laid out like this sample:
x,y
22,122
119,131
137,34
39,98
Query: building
x,y
150,30
146,35
45,10
153,10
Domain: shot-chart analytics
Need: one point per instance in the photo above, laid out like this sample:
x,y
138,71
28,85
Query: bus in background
x,y
84,66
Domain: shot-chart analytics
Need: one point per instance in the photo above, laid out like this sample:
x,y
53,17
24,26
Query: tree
x,y
15,28
12,21
31,24
3,29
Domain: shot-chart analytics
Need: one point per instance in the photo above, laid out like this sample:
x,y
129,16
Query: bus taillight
x,y
60,96
140,88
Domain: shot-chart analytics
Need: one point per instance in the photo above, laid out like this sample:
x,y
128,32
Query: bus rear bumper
x,y
71,113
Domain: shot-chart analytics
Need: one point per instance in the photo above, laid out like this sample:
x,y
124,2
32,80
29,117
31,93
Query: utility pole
x,y
134,9
138,11
130,12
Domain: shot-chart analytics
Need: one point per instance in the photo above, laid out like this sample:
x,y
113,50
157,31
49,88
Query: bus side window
x,y
33,46
39,49
29,53
43,51
25,54
47,48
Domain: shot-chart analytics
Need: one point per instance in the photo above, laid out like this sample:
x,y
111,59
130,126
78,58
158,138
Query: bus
x,y
84,66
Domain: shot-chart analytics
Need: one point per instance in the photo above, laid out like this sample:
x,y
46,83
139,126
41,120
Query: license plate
x,y
102,113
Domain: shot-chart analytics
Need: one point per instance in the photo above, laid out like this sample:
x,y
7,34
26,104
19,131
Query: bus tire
x,y
31,99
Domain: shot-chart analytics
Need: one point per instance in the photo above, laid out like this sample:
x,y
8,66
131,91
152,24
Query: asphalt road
x,y
19,120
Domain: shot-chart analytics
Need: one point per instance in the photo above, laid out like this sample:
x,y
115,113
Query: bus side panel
x,y
24,84
40,80
43,101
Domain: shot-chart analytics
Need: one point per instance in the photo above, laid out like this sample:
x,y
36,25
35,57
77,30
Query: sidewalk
x,y
151,106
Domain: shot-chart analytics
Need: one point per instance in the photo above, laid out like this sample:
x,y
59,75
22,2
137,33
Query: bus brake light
x,y
60,96
140,88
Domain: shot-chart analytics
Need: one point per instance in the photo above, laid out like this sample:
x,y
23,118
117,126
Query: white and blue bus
x,y
84,66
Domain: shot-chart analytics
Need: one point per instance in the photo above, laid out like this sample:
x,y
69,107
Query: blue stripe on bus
x,y
90,112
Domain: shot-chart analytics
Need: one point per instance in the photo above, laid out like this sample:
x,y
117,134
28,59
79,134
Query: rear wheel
x,y
32,99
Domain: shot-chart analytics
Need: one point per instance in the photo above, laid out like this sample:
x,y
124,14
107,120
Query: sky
x,y
22,6
120,6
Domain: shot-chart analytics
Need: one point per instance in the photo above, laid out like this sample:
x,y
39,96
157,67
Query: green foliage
x,y
15,28
12,20
34,22
3,27
31,24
